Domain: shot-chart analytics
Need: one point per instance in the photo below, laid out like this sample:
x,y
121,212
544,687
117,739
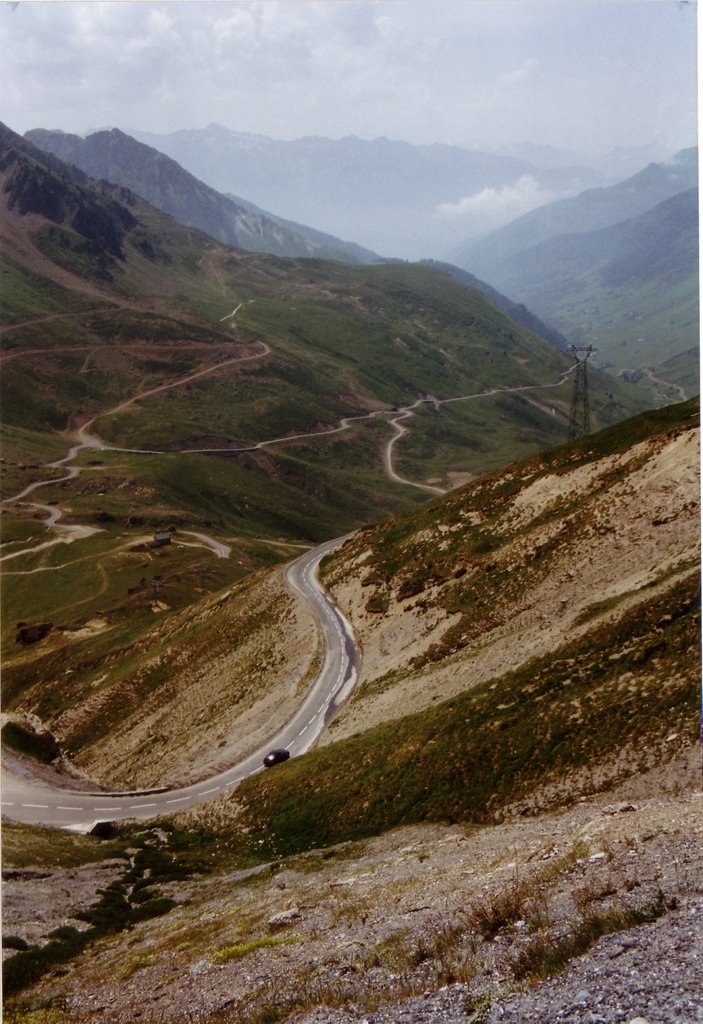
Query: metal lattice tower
x,y
580,418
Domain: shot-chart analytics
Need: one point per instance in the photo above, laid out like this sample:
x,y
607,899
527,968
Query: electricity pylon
x,y
580,418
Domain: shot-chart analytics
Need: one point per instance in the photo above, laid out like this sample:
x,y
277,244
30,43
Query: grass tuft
x,y
545,956
241,949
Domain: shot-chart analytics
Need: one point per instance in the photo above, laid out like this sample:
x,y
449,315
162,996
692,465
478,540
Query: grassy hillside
x,y
474,833
341,340
562,725
597,702
170,347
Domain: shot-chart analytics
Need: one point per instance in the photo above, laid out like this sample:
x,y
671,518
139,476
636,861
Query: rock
x,y
103,829
24,874
620,808
284,918
33,634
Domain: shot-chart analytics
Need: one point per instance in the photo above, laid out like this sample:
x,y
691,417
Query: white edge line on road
x,y
329,610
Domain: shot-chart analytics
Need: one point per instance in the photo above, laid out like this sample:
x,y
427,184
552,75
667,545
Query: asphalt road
x,y
27,799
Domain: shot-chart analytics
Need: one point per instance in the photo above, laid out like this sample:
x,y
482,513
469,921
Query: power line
x,y
580,418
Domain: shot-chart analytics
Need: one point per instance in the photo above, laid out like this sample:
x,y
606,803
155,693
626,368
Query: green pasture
x,y
628,329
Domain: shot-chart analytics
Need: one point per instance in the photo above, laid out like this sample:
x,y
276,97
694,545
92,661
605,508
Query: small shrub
x,y
22,738
135,963
496,912
477,1008
379,603
14,942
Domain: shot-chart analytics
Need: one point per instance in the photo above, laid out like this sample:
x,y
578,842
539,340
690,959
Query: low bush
x,y
122,904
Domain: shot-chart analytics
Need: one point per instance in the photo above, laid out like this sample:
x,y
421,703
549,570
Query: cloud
x,y
421,70
500,204
519,75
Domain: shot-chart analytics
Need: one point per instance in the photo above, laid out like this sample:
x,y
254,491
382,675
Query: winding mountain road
x,y
28,799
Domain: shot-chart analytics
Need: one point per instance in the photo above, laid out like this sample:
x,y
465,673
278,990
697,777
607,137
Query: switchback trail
x,y
393,418
26,798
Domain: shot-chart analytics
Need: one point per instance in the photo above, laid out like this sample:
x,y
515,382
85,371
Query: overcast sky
x,y
479,74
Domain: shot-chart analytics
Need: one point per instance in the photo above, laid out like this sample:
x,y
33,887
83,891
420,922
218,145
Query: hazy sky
x,y
585,75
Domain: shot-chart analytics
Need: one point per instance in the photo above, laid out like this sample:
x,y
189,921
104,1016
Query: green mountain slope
x,y
183,355
518,311
631,289
343,338
589,211
118,158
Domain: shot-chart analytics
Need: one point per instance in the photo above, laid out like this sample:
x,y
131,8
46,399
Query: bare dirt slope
x,y
201,691
569,549
382,927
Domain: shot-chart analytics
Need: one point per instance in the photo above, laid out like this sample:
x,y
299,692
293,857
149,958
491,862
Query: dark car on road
x,y
275,757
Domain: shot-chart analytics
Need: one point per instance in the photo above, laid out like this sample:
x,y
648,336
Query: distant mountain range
x,y
119,158
384,194
590,210
615,267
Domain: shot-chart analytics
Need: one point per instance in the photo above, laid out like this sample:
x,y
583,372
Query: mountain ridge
x,y
382,193
588,211
630,288
117,157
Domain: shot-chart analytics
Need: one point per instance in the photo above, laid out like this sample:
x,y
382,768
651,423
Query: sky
x,y
585,76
